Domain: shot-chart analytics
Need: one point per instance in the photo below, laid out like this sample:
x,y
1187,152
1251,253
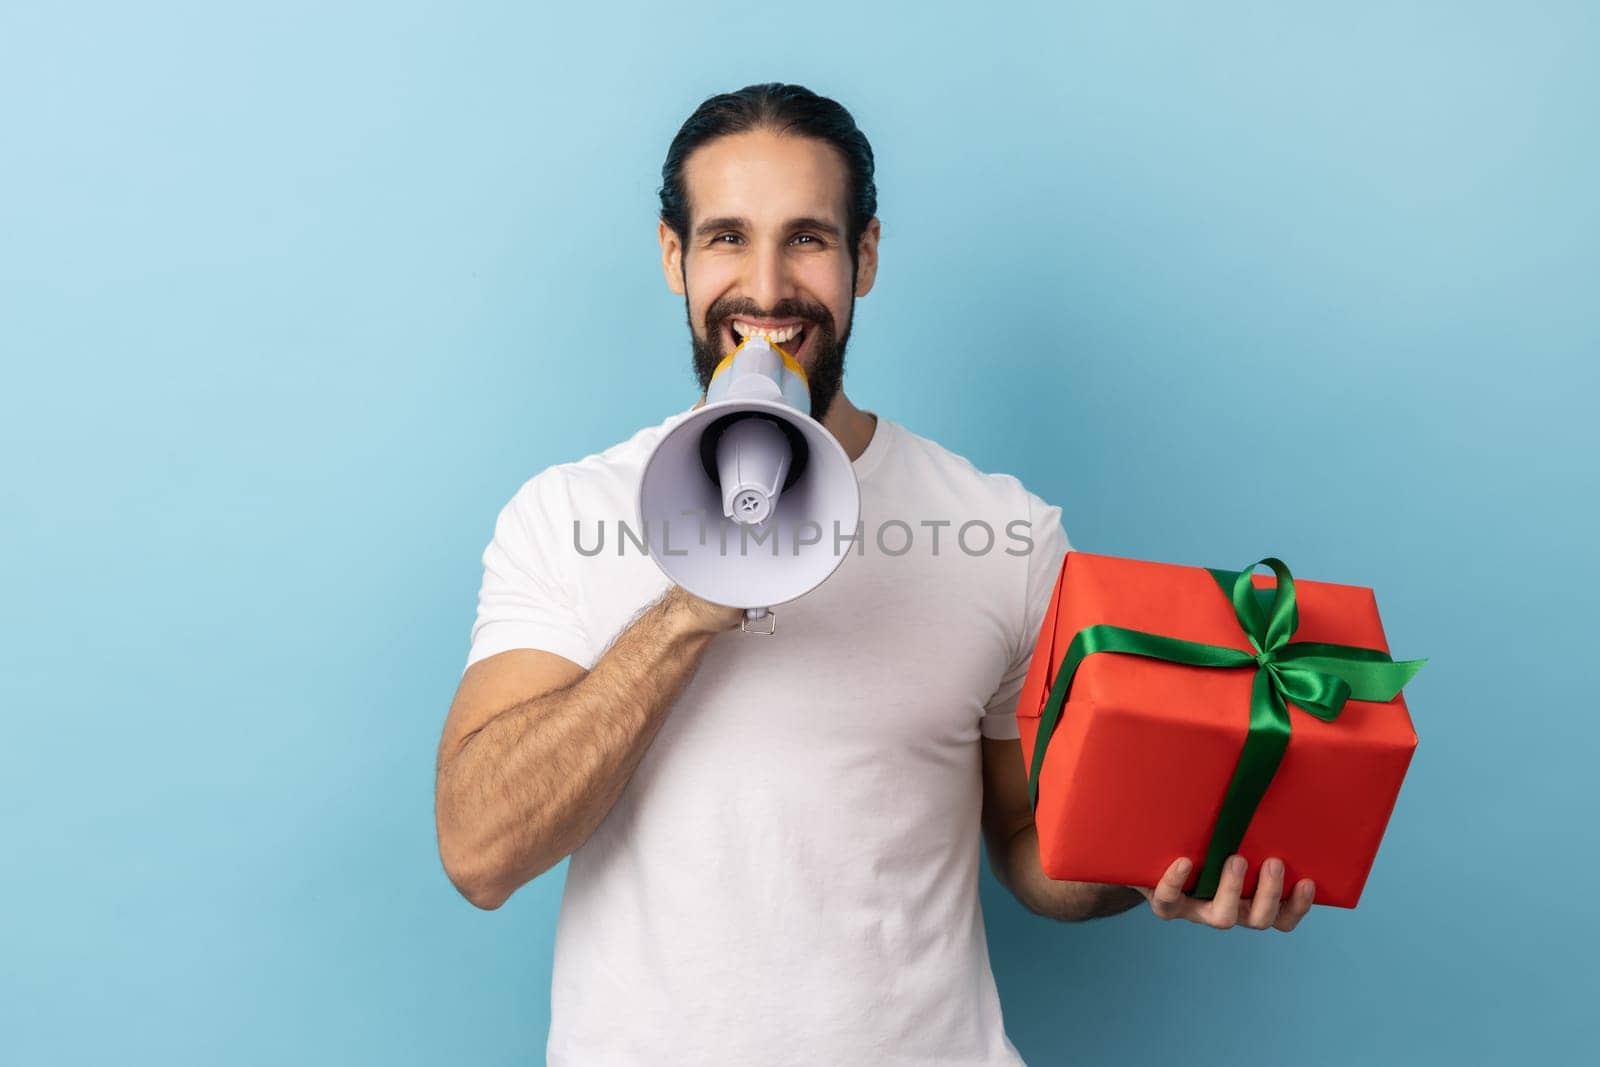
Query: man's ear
x,y
867,257
671,256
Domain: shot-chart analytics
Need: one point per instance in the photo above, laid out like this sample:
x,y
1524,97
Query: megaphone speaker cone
x,y
800,472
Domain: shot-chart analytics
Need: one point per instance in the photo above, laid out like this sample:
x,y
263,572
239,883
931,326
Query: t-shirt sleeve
x,y
1050,546
526,599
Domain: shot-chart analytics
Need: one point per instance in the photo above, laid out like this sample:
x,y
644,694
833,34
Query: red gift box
x,y
1135,772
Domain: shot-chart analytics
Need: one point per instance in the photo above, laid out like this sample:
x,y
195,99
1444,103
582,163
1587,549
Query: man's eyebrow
x,y
726,222
821,225
730,222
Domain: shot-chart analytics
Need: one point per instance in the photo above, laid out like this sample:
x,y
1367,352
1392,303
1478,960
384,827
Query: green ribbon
x,y
1316,677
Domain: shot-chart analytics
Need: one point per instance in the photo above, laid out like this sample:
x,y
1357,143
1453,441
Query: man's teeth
x,y
781,335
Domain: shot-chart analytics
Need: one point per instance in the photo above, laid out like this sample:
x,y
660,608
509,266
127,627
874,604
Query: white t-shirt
x,y
791,874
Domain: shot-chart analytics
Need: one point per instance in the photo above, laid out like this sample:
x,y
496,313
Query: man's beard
x,y
826,373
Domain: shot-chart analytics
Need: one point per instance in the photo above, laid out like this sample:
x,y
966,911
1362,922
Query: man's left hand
x,y
1226,909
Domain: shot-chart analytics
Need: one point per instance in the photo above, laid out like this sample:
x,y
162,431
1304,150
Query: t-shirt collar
x,y
877,446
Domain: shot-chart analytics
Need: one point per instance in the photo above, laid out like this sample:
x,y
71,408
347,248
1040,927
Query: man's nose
x,y
768,282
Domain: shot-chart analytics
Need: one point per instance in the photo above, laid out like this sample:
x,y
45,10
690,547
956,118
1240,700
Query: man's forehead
x,y
766,179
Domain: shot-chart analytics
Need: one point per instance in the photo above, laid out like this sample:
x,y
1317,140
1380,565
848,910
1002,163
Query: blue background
x,y
292,298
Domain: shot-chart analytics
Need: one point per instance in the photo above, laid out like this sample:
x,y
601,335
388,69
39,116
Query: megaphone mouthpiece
x,y
752,459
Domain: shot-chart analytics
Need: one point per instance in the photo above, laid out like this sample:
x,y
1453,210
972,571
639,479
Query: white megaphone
x,y
744,502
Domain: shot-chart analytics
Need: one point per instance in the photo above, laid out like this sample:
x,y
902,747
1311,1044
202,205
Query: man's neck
x,y
850,426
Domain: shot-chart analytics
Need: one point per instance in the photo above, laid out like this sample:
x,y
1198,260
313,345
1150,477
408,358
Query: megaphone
x,y
744,502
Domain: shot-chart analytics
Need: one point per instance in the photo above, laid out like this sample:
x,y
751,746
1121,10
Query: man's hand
x,y
1225,909
702,615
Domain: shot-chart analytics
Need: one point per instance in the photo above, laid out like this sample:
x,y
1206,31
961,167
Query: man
x,y
774,841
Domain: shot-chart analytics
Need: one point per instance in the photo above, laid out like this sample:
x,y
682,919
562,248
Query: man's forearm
x,y
1017,867
531,786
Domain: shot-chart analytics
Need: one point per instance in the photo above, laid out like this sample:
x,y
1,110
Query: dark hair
x,y
781,108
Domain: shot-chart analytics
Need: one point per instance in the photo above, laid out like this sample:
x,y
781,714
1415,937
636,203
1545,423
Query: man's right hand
x,y
701,615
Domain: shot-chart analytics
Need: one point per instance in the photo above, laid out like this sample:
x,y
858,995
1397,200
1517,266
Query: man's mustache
x,y
814,313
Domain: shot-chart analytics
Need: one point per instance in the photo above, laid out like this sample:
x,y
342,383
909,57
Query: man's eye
x,y
720,236
806,237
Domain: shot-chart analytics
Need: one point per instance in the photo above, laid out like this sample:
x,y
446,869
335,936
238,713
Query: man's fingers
x,y
1223,911
1265,910
1265,904
1167,900
1295,908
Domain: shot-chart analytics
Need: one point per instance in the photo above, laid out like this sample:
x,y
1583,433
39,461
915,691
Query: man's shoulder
x,y
611,470
945,478
961,473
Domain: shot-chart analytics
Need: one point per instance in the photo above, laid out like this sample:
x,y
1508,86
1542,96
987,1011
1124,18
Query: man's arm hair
x,y
520,787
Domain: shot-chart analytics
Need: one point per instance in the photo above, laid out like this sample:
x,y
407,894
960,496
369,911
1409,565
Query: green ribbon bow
x,y
1316,677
